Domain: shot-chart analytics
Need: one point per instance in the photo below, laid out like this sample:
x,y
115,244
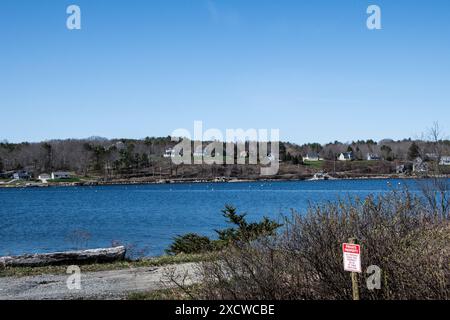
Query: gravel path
x,y
115,284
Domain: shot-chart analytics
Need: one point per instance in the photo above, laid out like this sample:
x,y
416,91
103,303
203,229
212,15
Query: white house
x,y
445,161
373,157
21,175
60,175
170,153
346,156
44,177
311,156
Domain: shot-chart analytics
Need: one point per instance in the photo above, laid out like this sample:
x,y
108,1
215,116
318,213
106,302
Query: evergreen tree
x,y
413,151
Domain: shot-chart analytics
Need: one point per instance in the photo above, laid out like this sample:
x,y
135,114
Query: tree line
x,y
101,156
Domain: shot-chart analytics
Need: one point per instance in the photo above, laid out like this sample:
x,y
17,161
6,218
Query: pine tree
x,y
414,151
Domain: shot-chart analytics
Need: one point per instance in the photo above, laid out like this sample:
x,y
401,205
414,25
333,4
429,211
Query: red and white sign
x,y
352,257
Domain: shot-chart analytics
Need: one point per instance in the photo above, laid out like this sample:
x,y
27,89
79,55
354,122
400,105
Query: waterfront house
x,y
311,156
346,156
445,161
373,157
420,166
60,175
44,177
170,153
21,175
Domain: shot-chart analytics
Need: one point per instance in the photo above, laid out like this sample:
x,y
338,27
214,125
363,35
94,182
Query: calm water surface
x,y
149,216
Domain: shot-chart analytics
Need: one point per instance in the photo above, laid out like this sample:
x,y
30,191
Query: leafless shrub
x,y
398,232
184,279
436,192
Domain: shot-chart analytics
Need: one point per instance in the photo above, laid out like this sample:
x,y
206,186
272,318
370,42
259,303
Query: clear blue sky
x,y
144,68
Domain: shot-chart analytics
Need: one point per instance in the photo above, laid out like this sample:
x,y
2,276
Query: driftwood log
x,y
63,258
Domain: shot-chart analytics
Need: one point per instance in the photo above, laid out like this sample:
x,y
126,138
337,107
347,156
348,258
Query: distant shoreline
x,y
209,181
